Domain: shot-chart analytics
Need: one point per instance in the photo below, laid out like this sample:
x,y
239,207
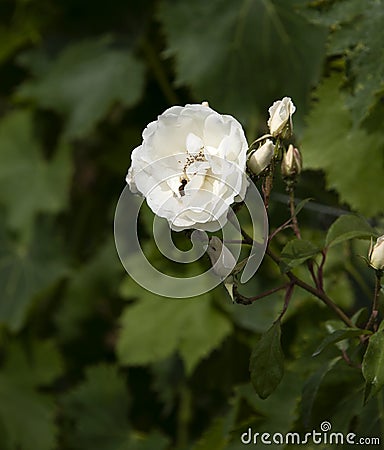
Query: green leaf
x,y
29,183
340,335
22,406
214,437
277,413
151,441
96,280
156,327
99,409
38,365
356,34
255,50
348,227
84,82
267,362
296,252
301,205
373,363
351,157
311,389
23,26
27,269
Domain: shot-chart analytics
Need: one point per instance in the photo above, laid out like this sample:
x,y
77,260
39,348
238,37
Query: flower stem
x,y
320,294
287,299
375,302
267,186
242,300
295,223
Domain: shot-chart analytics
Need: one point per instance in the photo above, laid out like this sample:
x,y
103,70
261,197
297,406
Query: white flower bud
x,y
280,114
261,158
376,254
292,162
221,257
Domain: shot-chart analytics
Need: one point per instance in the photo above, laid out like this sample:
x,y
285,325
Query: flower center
x,y
191,159
194,158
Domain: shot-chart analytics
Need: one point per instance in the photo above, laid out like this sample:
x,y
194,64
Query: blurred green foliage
x,y
88,360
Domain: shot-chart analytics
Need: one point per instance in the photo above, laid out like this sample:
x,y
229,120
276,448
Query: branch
x,y
320,294
375,303
242,300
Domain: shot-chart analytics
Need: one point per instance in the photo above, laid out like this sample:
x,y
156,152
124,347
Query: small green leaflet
x,y
267,362
373,364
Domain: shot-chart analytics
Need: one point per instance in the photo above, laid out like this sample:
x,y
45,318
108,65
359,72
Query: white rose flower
x,y
191,166
280,114
262,157
376,254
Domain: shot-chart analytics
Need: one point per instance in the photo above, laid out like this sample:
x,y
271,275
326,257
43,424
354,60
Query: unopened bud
x,y
292,162
221,257
376,254
280,116
261,158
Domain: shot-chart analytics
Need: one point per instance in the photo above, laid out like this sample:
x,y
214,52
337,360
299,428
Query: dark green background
x,y
88,360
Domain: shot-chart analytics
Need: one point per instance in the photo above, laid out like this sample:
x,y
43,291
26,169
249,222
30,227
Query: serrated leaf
x,y
99,408
38,365
373,364
214,437
26,269
29,183
98,278
339,335
25,27
228,57
85,80
368,61
156,327
357,34
351,157
348,227
22,406
311,389
267,362
296,252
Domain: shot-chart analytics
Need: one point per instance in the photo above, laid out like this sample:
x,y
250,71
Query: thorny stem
x,y
287,299
319,293
375,303
242,300
295,224
282,227
320,269
267,187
